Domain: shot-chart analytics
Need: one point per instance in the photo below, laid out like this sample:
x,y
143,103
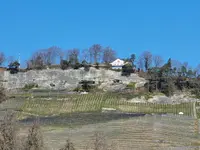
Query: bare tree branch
x,y
158,61
95,52
109,55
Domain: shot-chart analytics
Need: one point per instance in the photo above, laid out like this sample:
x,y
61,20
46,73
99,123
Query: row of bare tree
x,y
95,54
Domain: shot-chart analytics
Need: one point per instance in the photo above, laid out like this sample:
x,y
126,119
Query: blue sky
x,y
170,28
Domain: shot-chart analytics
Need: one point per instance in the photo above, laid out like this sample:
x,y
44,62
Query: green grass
x,y
131,85
95,103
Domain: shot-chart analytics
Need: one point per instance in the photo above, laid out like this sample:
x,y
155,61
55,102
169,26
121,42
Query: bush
x,y
64,64
131,85
127,70
196,92
30,86
8,133
14,67
68,146
170,89
78,89
34,140
77,66
9,140
86,67
97,65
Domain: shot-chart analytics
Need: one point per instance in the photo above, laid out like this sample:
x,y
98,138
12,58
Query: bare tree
x,y
140,62
109,55
68,146
2,58
73,55
35,139
85,55
198,69
185,64
51,54
10,59
100,141
147,58
176,64
38,60
95,52
157,60
8,133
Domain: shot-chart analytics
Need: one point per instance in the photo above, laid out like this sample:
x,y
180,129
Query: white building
x,y
117,64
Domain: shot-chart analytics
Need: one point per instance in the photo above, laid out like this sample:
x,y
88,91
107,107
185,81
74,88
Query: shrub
x,y
87,68
76,65
196,92
97,65
8,133
30,86
131,85
34,140
78,89
127,70
9,140
170,89
64,64
14,67
68,146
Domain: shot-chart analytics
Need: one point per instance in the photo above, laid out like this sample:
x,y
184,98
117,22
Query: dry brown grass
x,y
8,136
8,133
2,95
34,139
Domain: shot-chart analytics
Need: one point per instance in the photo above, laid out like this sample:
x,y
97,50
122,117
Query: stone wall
x,y
67,79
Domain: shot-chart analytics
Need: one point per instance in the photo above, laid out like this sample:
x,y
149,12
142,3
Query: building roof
x,y
117,62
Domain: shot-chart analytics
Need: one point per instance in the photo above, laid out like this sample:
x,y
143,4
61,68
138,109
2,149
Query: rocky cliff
x,y
69,79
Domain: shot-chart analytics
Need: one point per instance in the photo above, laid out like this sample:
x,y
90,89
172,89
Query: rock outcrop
x,y
69,79
162,99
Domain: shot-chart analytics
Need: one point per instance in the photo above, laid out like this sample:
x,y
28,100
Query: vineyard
x,y
95,103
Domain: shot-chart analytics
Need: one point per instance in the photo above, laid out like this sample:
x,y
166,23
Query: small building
x,y
117,64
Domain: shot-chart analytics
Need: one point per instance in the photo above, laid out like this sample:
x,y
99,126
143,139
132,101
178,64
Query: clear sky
x,y
170,28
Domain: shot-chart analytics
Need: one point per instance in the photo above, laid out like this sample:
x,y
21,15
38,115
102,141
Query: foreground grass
x,y
95,103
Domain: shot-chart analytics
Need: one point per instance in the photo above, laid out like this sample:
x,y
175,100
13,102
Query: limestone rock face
x,y
69,79
162,99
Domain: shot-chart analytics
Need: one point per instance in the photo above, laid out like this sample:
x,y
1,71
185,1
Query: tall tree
x,y
183,70
109,55
85,55
147,58
198,69
38,60
132,59
140,62
52,53
73,56
185,64
158,61
2,58
95,52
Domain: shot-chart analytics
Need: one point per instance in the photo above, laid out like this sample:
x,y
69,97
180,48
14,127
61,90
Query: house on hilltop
x,y
117,64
